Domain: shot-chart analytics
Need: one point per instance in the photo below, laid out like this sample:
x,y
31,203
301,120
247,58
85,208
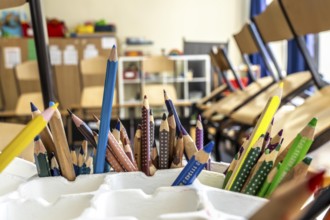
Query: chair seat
x,y
23,103
250,112
228,104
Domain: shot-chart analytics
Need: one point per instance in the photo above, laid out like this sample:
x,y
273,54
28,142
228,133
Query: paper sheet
x,y
12,56
55,55
70,55
108,42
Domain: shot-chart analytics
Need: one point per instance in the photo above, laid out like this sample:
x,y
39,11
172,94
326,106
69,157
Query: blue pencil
x,y
54,167
171,109
194,166
109,87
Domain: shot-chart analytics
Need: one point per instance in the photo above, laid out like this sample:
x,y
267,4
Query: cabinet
x,y
191,79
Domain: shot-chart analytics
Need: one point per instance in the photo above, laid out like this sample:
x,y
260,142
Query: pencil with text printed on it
x,y
260,128
300,146
164,154
194,166
171,109
109,87
25,137
145,139
299,171
288,199
62,146
45,134
41,158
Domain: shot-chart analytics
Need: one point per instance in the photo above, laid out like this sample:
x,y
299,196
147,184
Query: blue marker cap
x,y
209,147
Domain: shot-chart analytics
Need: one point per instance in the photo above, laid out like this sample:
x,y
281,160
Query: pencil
x,y
171,109
260,128
164,144
41,158
45,134
172,136
177,158
189,146
288,199
137,147
246,167
199,133
128,151
116,134
25,137
123,134
299,171
268,135
89,163
152,130
61,144
145,139
154,155
275,140
81,162
194,166
300,146
74,160
83,128
268,180
109,87
85,149
55,169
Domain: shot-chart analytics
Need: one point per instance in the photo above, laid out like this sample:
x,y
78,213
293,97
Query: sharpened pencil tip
x,y
267,151
209,147
117,127
37,138
139,126
184,132
164,117
33,107
278,147
95,117
70,112
114,46
199,118
113,54
281,84
307,160
280,132
313,122
145,97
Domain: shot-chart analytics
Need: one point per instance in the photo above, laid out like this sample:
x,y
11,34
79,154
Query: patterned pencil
x,y
171,109
189,146
145,139
54,167
137,146
247,165
116,134
299,171
172,136
152,130
41,158
199,133
194,166
74,160
298,150
268,180
177,158
257,180
164,153
123,134
275,141
268,135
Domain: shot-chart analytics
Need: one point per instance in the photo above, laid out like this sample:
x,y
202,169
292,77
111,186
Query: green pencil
x,y
41,158
300,146
268,180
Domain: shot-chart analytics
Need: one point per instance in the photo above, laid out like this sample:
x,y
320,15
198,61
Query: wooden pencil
x,y
152,130
268,135
194,166
171,109
199,133
288,199
116,134
109,87
268,181
84,146
164,153
300,146
128,151
137,147
172,136
275,140
83,128
81,162
41,158
145,139
89,163
61,144
74,160
154,155
299,171
189,146
177,158
123,134
54,167
45,135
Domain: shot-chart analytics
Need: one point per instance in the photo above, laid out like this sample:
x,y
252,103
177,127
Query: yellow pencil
x,y
26,136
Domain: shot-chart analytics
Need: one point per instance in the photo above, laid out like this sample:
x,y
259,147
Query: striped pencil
x,y
137,146
145,139
41,158
172,136
164,133
247,165
298,150
194,166
109,86
171,109
268,180
177,158
123,134
275,141
54,167
74,160
189,146
152,130
299,171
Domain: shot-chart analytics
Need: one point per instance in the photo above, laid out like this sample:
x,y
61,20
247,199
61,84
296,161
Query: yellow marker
x,y
261,128
26,136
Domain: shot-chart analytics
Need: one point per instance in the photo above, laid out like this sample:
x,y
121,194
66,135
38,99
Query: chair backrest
x,y
154,93
27,77
92,71
157,64
11,3
245,41
308,16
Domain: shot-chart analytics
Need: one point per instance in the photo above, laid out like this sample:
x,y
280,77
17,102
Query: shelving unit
x,y
191,85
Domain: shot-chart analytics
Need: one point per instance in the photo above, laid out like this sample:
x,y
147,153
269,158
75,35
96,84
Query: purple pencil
x,y
199,133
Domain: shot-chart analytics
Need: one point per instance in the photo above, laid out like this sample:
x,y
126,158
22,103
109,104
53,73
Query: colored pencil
x,y
268,181
194,166
128,151
247,165
275,140
199,133
177,158
152,130
45,135
83,128
109,87
260,128
74,160
288,199
81,162
61,144
189,146
54,167
171,109
123,134
145,139
327,215
154,155
164,153
41,158
137,146
89,163
300,146
116,134
172,136
299,171
84,146
268,135
25,137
